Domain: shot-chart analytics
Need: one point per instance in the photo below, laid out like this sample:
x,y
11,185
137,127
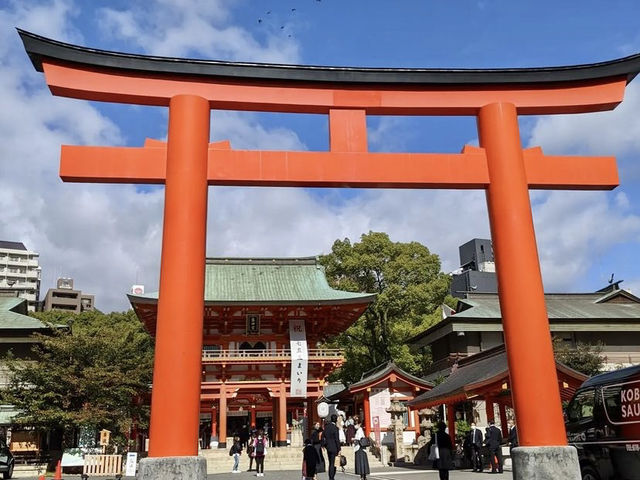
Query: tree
x,y
86,375
584,357
410,288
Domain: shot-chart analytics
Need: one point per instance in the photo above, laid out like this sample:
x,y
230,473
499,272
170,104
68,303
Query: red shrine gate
x,y
187,164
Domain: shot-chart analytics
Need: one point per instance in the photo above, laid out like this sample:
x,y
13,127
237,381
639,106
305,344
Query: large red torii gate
x,y
187,164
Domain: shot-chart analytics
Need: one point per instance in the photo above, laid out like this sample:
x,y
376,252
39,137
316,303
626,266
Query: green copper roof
x,y
13,315
268,281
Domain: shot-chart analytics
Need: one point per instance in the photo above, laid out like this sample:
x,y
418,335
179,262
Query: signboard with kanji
x,y
253,324
299,358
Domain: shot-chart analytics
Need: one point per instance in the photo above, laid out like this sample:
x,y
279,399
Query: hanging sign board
x,y
299,358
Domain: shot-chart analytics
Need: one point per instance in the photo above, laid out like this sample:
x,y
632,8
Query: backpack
x,y
364,442
259,447
232,450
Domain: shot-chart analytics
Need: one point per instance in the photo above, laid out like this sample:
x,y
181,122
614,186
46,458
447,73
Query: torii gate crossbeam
x,y
187,164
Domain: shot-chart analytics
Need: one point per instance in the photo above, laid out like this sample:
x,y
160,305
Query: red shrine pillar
x,y
488,404
282,416
222,441
214,423
534,383
503,420
175,400
451,422
253,416
366,421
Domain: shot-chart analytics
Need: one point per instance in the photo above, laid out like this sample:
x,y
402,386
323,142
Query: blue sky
x,y
108,237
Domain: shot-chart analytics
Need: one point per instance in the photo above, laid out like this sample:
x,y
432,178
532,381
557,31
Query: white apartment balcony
x,y
315,355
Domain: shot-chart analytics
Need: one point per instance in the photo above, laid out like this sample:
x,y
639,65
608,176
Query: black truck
x,y
603,423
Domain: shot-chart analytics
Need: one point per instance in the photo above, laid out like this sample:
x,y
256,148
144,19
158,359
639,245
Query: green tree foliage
x,y
584,357
410,288
86,374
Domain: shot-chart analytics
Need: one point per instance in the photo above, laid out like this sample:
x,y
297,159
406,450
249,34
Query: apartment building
x,y
19,273
64,297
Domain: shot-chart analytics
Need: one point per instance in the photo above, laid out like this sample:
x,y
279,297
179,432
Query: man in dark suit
x,y
475,441
331,440
513,435
494,441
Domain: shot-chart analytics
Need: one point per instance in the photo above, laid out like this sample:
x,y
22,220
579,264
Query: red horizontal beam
x,y
111,85
467,170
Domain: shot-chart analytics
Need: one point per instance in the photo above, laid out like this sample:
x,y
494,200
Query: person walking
x,y
442,441
259,452
360,444
317,441
494,443
235,452
475,442
332,444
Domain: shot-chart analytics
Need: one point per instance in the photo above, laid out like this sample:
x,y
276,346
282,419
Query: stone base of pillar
x,y
545,463
281,443
172,468
222,444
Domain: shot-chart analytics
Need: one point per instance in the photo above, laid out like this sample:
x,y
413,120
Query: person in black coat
x,y
316,441
513,435
331,440
475,439
494,441
444,463
310,460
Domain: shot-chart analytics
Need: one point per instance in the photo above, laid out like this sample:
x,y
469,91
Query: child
x,y
236,450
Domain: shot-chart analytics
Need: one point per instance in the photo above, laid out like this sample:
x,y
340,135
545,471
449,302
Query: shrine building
x,y
264,320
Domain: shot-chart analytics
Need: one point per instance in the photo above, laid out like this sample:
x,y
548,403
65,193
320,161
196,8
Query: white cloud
x,y
181,28
574,229
615,132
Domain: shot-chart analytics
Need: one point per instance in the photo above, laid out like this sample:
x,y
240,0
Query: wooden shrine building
x,y
263,322
485,376
372,395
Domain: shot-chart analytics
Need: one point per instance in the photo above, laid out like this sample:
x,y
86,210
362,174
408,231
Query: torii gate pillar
x,y
175,397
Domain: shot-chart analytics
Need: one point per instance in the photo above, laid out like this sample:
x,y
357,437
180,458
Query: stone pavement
x,y
377,473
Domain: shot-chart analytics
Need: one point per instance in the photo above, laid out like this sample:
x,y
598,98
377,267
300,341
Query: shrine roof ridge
x,y
313,260
39,48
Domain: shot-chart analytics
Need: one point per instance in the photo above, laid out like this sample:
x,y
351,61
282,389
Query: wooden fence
x,y
102,465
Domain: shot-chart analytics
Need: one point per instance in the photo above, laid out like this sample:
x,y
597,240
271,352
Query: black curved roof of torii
x,y
40,48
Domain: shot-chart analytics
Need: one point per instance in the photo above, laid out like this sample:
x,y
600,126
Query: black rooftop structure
x,y
12,245
39,48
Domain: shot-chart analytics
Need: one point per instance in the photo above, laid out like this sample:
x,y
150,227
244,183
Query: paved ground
x,y
378,473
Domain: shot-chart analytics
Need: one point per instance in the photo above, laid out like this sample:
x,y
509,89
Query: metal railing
x,y
268,354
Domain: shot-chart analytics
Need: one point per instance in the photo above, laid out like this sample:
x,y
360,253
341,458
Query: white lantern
x,y
323,409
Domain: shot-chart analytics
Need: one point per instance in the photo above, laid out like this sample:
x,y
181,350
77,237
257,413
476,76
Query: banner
x,y
299,358
379,401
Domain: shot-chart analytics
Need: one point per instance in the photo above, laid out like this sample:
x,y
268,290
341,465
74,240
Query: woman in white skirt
x,y
360,444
